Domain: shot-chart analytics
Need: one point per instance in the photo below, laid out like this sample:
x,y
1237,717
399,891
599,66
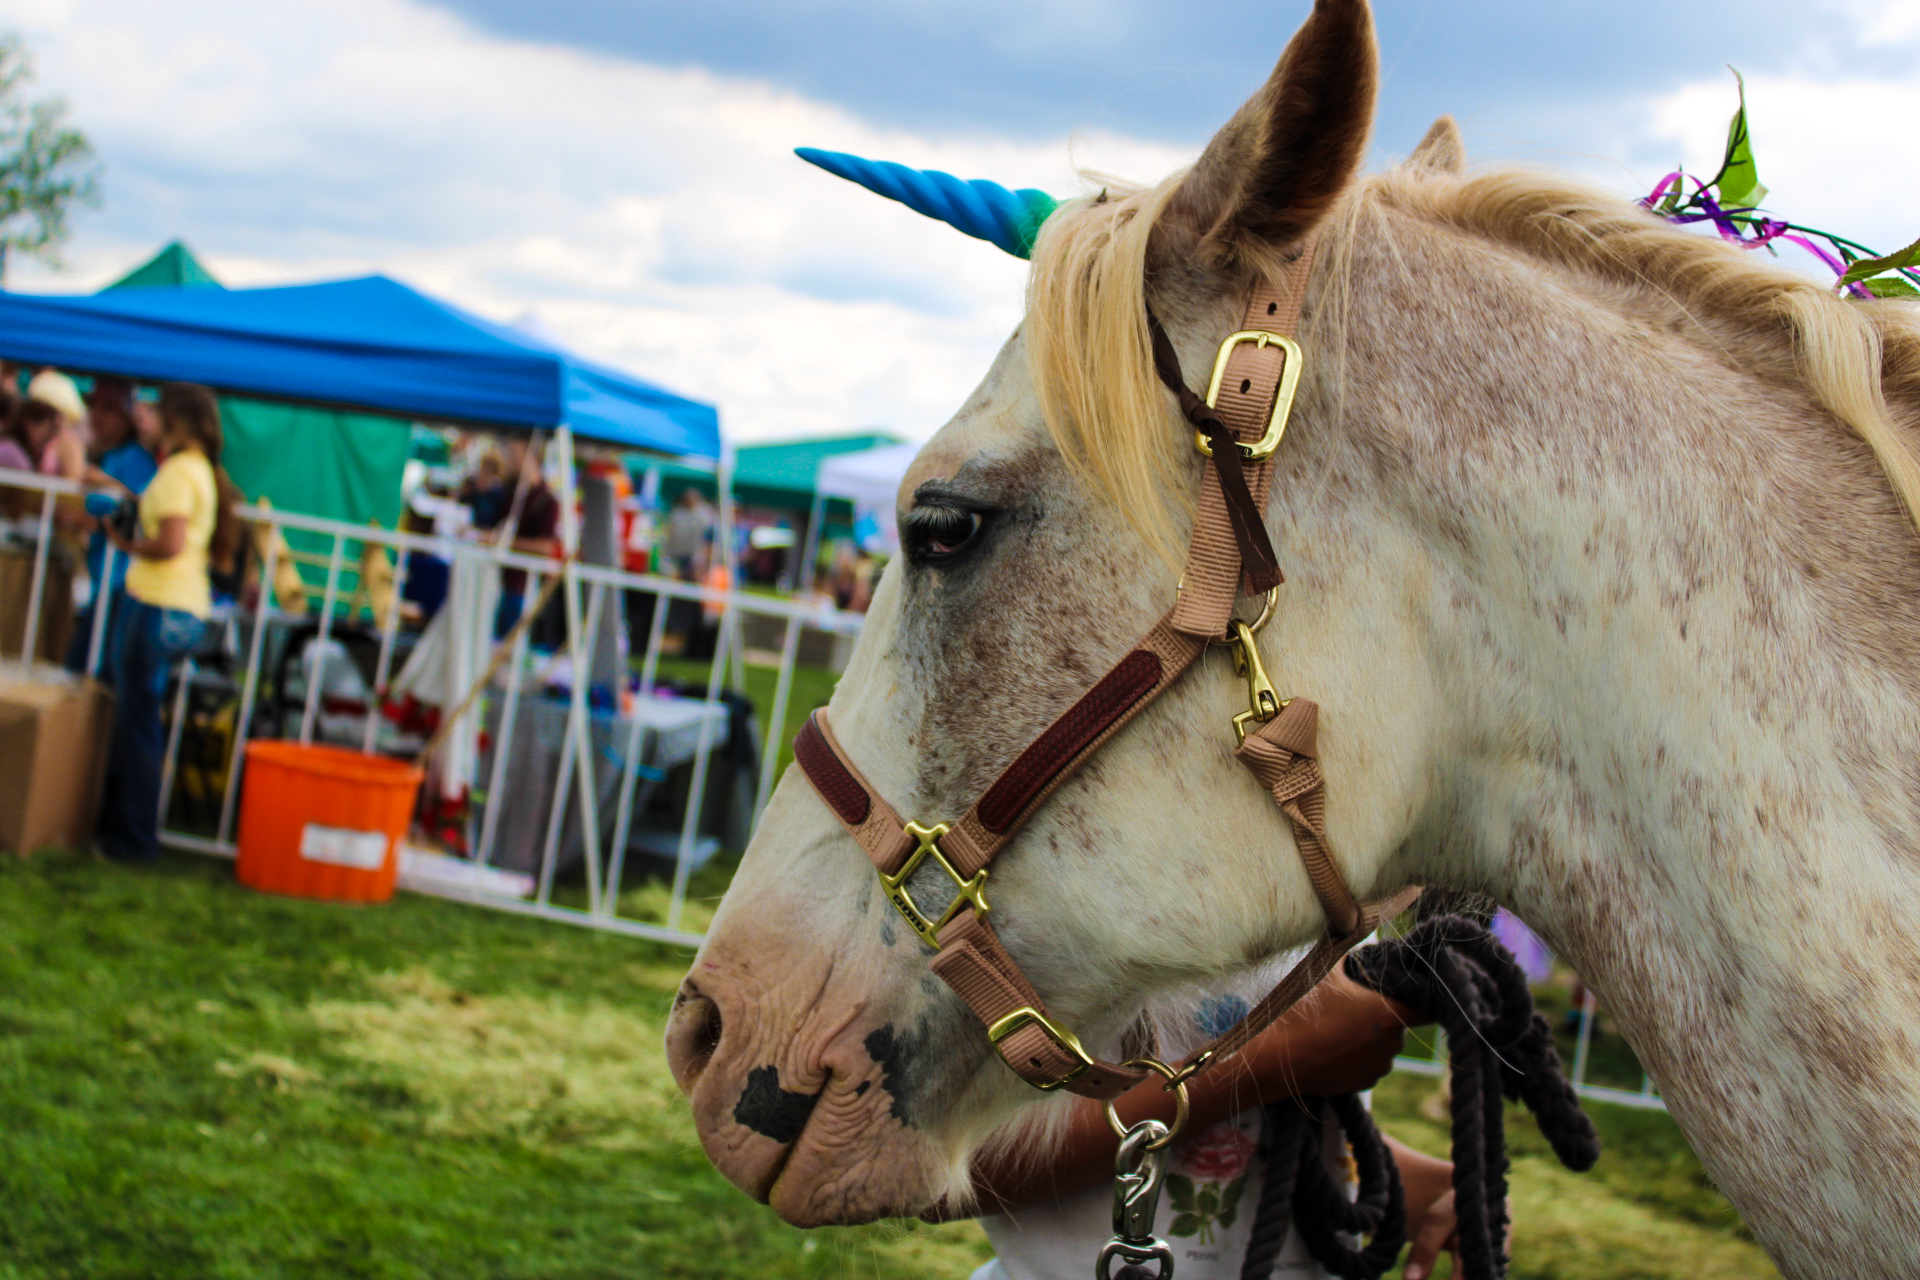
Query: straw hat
x,y
57,389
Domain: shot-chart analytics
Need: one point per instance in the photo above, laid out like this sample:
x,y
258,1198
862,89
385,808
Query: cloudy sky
x,y
620,171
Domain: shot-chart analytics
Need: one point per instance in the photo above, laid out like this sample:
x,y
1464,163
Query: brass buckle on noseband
x,y
1282,397
971,892
1027,1015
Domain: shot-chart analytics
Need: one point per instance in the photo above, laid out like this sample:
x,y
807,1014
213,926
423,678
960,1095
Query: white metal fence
x,y
581,797
576,784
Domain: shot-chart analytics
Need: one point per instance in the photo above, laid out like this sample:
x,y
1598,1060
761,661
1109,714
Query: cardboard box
x,y
53,757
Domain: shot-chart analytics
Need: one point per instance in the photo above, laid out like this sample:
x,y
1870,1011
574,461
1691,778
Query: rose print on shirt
x,y
1198,1209
1205,1193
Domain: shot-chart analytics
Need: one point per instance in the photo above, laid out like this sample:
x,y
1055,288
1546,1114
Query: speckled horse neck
x,y
1601,565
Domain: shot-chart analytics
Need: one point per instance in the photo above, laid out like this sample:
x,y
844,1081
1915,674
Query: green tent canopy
x,y
777,474
173,265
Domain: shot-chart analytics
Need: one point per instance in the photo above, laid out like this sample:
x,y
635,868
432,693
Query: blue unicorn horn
x,y
982,209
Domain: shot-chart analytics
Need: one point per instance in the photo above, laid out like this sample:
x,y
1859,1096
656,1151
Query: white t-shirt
x,y
1212,1188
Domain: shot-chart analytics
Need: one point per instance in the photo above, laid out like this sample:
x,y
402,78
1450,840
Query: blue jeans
x,y
145,643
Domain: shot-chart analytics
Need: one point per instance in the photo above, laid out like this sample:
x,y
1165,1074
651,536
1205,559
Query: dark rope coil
x,y
1454,971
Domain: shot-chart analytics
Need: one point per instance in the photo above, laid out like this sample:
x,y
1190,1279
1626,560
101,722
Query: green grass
x,y
200,1081
1646,1210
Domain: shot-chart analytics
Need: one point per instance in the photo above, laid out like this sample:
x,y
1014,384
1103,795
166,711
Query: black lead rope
x,y
1453,970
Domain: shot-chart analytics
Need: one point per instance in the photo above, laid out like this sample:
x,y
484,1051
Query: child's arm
x,y
1341,1039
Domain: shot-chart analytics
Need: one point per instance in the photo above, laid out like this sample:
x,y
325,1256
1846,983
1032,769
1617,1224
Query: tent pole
x,y
730,558
816,514
579,650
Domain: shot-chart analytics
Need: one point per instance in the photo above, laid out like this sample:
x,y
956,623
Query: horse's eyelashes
x,y
933,534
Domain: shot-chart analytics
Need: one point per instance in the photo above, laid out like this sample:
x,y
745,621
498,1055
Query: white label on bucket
x,y
343,846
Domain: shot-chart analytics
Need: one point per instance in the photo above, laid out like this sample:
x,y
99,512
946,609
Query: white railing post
x,y
631,763
573,746
102,602
317,647
263,612
389,627
580,728
697,785
816,516
170,764
30,638
776,729
503,736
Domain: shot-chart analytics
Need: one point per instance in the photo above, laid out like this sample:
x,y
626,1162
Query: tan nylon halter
x,y
1251,392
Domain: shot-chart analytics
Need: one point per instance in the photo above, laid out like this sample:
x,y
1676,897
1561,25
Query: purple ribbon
x,y
1756,231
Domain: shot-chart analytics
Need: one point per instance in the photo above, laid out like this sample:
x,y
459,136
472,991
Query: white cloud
x,y
1887,22
652,217
1834,140
655,217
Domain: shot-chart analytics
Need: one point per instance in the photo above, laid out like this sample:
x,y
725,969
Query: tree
x,y
47,168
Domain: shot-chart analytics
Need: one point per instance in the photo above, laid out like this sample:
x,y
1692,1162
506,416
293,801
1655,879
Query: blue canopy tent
x,y
366,344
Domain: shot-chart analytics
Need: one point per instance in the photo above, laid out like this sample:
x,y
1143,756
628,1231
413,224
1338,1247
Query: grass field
x,y
198,1081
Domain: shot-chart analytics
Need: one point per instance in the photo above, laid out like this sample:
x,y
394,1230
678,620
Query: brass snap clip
x,y
1263,702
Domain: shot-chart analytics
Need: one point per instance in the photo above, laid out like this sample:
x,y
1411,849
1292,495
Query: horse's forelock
x,y
1086,340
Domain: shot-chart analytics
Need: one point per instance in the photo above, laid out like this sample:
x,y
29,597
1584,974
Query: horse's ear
x,y
1443,150
1274,171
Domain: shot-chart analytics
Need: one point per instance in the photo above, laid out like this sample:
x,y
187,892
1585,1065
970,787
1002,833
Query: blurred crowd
x,y
159,497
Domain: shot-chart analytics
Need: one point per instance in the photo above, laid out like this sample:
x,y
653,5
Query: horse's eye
x,y
933,534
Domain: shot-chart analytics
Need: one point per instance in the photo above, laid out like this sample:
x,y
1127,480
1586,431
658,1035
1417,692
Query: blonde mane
x,y
1087,342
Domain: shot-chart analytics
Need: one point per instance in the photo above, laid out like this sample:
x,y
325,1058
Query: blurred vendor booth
x,y
542,764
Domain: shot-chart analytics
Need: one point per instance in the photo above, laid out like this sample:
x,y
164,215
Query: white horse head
x,y
1601,566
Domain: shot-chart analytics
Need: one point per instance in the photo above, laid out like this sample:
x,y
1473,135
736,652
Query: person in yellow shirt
x,y
187,523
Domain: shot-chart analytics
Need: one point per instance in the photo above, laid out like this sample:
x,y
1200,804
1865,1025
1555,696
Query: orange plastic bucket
x,y
322,822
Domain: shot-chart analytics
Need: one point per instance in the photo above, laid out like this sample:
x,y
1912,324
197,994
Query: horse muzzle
x,y
801,1101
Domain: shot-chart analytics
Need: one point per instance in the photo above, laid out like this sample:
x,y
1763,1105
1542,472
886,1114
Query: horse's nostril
x,y
693,1034
709,1038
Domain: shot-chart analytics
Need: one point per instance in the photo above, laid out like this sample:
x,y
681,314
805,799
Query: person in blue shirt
x,y
121,459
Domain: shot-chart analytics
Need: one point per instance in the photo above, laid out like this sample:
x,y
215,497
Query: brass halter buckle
x,y
970,892
1068,1042
1282,398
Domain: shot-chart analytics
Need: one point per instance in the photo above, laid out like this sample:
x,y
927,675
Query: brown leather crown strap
x,y
1239,424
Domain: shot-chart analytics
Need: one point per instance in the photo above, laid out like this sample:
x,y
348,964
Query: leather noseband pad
x,y
839,788
1068,736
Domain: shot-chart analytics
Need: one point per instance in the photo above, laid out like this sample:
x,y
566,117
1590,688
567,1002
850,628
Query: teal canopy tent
x,y
778,473
173,265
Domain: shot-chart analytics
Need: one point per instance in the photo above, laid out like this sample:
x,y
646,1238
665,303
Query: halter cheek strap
x,y
1239,425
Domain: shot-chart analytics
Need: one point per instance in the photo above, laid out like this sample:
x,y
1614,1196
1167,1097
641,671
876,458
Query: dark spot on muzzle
x,y
895,1054
771,1111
